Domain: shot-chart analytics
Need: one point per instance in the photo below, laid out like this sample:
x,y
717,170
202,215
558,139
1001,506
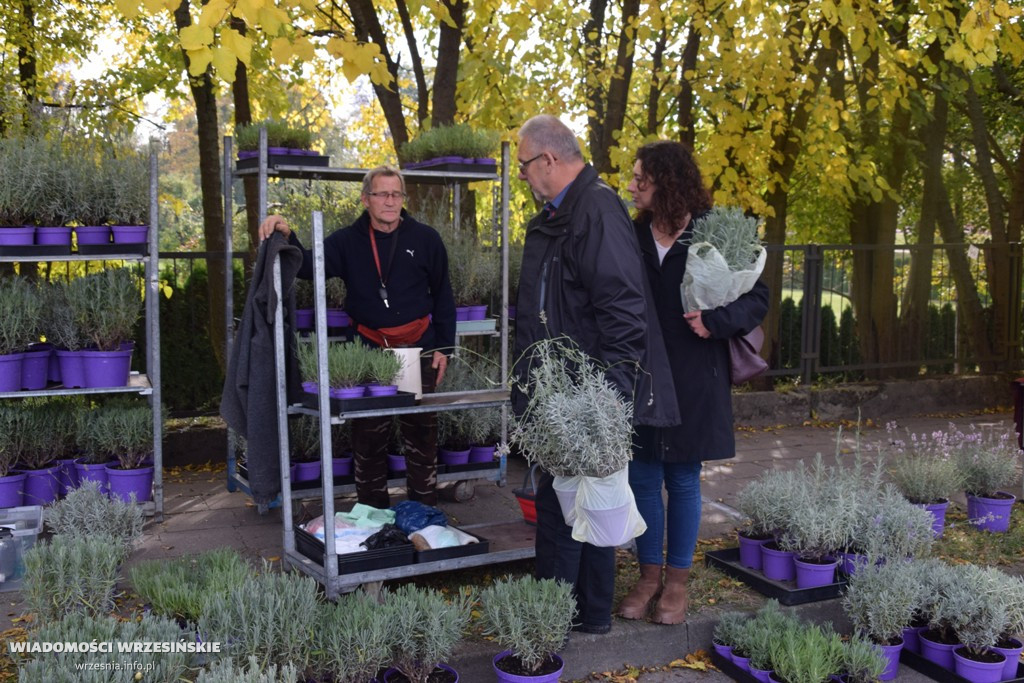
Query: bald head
x,y
549,156
549,134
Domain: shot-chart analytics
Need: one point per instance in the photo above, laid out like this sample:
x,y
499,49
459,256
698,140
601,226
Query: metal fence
x,y
816,322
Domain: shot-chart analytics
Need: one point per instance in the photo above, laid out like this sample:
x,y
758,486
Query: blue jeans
x,y
682,480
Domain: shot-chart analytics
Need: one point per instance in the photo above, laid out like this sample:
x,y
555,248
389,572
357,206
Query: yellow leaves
x,y
195,38
129,8
271,18
213,13
224,63
240,46
249,10
198,60
698,661
281,50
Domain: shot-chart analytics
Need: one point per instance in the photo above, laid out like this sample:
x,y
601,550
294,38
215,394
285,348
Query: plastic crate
x,y
25,524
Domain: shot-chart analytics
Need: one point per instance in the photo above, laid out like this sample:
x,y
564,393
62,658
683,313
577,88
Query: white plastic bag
x,y
606,514
708,282
566,488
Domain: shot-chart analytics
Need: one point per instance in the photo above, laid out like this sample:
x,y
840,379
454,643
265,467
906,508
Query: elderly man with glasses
x,y
395,271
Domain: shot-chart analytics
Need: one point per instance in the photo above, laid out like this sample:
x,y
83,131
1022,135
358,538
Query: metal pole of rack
x,y
505,155
153,338
330,561
229,298
281,371
263,174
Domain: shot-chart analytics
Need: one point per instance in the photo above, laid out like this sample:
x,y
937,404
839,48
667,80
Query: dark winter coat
x,y
418,284
582,269
700,367
249,401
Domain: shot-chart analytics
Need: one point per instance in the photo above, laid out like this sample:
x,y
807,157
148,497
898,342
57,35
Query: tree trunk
x,y
210,187
449,43
657,83
367,26
593,90
422,94
250,184
687,121
27,65
618,89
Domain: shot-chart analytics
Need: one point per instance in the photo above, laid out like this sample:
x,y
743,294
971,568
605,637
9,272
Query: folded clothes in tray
x,y
434,537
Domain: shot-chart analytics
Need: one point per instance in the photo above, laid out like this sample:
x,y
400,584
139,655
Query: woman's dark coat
x,y
700,367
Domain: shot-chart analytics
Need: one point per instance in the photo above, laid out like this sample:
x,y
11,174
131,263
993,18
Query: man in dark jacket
x,y
395,271
582,277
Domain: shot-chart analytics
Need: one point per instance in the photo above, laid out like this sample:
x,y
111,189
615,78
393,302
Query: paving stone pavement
x,y
200,514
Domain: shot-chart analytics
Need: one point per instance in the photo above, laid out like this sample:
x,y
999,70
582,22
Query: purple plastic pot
x,y
36,366
1012,655
396,463
892,657
750,550
307,471
248,153
12,490
763,675
975,671
72,372
10,371
130,234
342,467
67,476
481,453
934,651
126,483
42,485
477,312
448,457
94,472
337,317
53,236
938,511
776,564
461,313
92,234
382,390
19,235
395,676
722,650
504,677
912,638
742,662
814,574
990,514
280,151
347,392
106,368
304,318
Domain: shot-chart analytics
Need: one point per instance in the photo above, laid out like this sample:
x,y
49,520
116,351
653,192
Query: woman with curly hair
x,y
668,193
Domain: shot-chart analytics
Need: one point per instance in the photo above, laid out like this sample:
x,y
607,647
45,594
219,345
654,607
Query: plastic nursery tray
x,y
305,485
362,561
786,592
455,551
275,160
470,467
939,673
141,248
347,405
731,670
35,250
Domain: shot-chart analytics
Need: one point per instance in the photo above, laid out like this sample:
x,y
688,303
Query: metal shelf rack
x,y
144,384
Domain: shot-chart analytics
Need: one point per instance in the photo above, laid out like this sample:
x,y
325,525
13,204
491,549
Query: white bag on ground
x,y
606,514
565,488
708,283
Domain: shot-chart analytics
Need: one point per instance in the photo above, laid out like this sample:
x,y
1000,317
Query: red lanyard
x,y
383,291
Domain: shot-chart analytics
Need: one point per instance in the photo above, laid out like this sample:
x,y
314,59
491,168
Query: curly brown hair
x,y
678,185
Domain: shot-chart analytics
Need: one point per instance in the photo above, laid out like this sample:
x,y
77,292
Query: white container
x,y
25,524
409,378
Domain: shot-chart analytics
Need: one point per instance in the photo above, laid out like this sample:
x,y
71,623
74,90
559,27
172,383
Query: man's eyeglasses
x,y
524,164
397,196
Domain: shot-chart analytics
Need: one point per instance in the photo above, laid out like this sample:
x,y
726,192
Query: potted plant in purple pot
x,y
127,177
925,472
18,175
881,602
382,367
13,434
354,638
107,306
125,428
48,432
529,619
346,367
977,606
304,438
989,462
61,321
428,626
19,315
862,661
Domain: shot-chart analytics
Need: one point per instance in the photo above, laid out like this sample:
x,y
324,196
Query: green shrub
x,y
354,638
460,140
67,667
428,628
20,311
87,512
382,366
279,134
178,588
227,671
107,306
71,574
531,617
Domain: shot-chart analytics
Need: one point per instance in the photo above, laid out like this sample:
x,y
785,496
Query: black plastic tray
x,y
938,673
274,160
35,250
305,485
459,551
348,405
731,670
786,592
471,466
349,563
111,248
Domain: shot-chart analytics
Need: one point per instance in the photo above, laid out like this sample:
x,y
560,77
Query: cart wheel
x,y
464,491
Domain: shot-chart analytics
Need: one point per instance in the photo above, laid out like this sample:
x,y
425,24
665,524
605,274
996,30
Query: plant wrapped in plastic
x,y
575,421
69,667
87,512
724,259
531,617
429,626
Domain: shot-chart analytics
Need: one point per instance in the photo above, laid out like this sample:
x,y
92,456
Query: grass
x,y
961,543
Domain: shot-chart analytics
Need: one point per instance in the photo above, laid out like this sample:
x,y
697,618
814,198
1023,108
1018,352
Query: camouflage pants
x,y
370,438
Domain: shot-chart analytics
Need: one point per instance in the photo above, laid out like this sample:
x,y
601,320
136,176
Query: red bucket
x,y
527,497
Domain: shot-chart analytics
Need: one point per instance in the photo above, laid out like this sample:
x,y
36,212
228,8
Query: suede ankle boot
x,y
671,608
636,604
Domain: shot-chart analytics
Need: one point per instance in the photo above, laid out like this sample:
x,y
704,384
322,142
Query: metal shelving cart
x,y
508,541
146,383
464,480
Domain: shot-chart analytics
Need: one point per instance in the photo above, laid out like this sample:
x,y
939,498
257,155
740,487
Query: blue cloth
x,y
412,515
557,201
682,480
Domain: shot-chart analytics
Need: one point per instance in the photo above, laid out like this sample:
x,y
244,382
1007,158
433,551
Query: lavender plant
x,y
382,366
428,627
880,601
975,607
809,654
19,314
575,422
531,617
727,630
107,306
988,460
15,436
229,671
60,319
123,431
897,529
354,638
71,574
88,512
126,174
863,662
922,466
